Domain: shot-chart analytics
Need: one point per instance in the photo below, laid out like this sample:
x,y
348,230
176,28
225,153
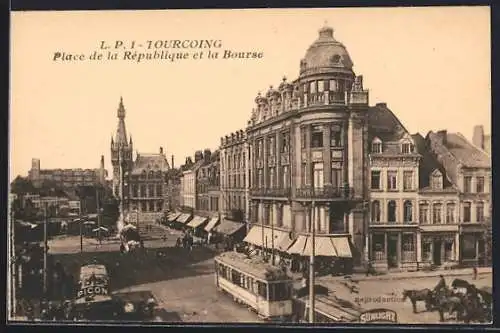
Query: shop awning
x,y
323,246
298,246
263,236
197,221
284,242
183,218
342,246
173,216
227,227
211,224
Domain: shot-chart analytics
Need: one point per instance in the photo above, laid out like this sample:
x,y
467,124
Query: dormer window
x,y
376,146
406,147
436,180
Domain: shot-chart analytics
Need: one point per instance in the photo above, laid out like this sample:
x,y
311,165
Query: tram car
x,y
264,288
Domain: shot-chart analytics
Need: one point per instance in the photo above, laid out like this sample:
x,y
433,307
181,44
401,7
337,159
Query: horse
x,y
459,283
446,301
418,295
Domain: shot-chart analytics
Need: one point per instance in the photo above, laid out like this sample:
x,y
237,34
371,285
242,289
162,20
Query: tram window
x,y
279,292
236,278
262,289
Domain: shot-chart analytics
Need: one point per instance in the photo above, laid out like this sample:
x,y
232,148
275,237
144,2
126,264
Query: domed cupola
x,y
326,55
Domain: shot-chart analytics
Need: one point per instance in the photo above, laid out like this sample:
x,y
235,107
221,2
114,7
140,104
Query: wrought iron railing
x,y
270,192
326,192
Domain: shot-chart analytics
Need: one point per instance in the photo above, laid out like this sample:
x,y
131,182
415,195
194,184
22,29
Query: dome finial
x,y
326,31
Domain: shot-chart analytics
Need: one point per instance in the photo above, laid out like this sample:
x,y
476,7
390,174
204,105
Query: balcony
x,y
325,193
270,192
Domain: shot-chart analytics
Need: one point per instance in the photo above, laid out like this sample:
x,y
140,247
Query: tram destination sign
x,y
92,291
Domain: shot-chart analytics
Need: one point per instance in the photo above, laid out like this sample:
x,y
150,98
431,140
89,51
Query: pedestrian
x,y
369,270
474,272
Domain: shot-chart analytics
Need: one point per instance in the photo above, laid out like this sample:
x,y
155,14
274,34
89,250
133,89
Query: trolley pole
x,y
311,264
45,245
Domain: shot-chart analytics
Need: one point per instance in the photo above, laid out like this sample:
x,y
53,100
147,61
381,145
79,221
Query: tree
x,y
22,186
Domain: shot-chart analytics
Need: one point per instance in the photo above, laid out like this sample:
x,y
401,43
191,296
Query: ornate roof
x,y
326,52
150,162
121,132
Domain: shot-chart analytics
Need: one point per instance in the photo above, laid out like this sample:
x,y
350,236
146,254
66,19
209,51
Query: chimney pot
x,y
161,150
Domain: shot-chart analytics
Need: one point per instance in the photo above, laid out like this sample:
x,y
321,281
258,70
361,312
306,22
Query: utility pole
x,y
81,227
13,264
45,246
311,263
98,214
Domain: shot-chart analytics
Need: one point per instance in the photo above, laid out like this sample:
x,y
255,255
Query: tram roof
x,y
254,266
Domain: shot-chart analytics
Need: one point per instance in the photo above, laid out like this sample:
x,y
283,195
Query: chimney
x,y
442,135
198,156
161,150
478,136
207,154
172,166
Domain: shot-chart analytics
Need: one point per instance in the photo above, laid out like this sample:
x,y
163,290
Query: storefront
x,y
439,245
394,248
472,244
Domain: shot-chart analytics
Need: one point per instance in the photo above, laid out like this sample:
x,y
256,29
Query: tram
x,y
262,287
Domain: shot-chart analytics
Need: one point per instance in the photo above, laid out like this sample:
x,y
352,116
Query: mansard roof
x,y
150,162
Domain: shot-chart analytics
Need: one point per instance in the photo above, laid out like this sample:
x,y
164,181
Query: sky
x,y
430,65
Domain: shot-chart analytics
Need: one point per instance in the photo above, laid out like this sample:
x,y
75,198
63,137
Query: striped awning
x,y
197,221
342,246
326,246
323,246
227,227
183,218
211,224
265,237
299,245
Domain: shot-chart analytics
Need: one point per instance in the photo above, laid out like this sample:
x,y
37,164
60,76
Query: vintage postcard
x,y
251,166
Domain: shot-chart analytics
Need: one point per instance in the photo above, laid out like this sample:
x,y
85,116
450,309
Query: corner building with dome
x,y
308,160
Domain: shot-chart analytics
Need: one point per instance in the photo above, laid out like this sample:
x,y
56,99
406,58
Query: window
x,y
408,211
392,180
159,190
480,212
318,175
285,142
303,137
285,176
480,184
408,180
467,212
335,136
437,180
376,211
272,177
391,211
271,147
305,87
304,174
378,246
333,85
424,213
450,213
375,180
321,86
407,148
317,137
436,213
376,147
426,250
259,149
448,250
312,86
336,177
467,184
408,247
468,247
260,178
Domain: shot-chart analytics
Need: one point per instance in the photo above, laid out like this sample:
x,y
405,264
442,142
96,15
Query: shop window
x,y
426,250
469,247
378,246
448,251
408,247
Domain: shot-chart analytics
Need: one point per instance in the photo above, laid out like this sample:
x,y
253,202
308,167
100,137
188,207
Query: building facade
x,y
67,178
394,175
189,181
208,185
234,174
308,156
140,184
468,167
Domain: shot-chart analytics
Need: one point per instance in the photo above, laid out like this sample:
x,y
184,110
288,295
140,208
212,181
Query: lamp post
x,y
311,262
45,250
